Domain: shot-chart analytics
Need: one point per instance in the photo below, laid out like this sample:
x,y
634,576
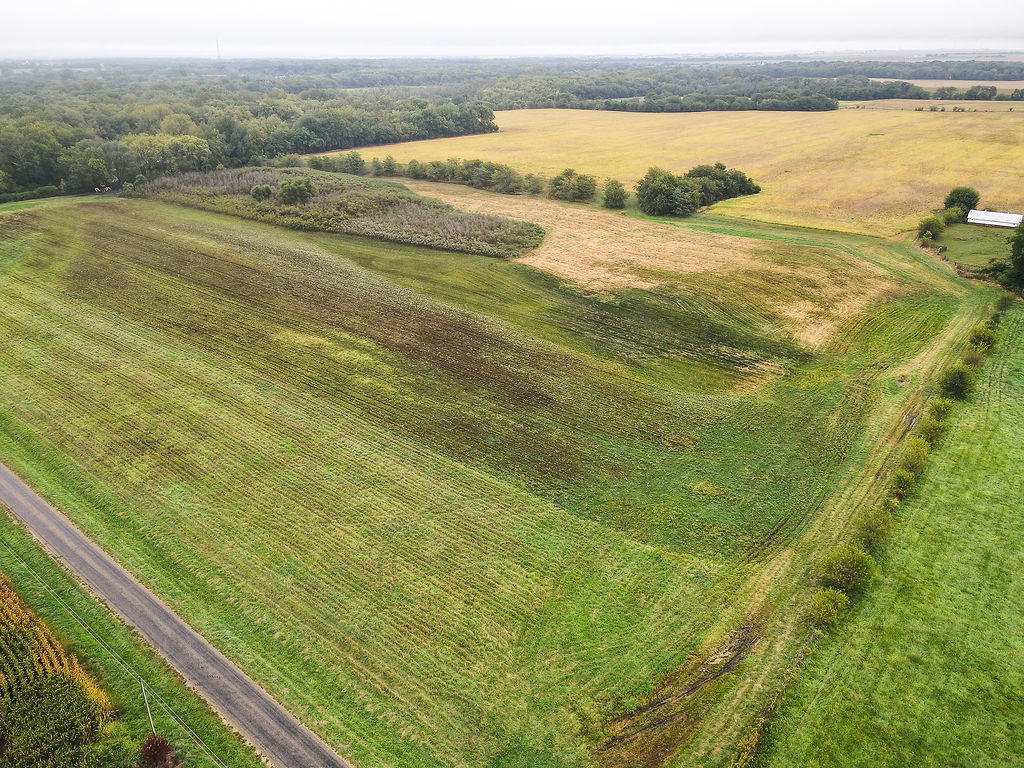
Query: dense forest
x,y
77,125
75,130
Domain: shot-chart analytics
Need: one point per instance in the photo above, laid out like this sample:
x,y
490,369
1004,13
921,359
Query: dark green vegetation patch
x,y
346,204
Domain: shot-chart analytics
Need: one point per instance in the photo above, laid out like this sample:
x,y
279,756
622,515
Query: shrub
x,y
930,228
973,356
827,606
962,197
156,752
954,215
260,192
891,504
931,429
846,567
914,455
982,336
297,191
572,186
940,408
532,184
1005,301
615,195
957,382
873,528
902,481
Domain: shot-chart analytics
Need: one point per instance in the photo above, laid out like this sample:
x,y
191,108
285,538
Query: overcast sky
x,y
343,28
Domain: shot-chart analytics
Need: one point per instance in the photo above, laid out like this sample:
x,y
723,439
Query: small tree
x,y
846,567
962,197
940,408
930,228
296,191
914,455
827,606
572,186
389,167
615,195
931,429
957,382
260,192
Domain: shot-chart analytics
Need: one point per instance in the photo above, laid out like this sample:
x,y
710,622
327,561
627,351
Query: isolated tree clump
x,y
846,568
296,191
957,382
260,192
615,195
827,606
962,197
954,215
661,193
572,186
930,228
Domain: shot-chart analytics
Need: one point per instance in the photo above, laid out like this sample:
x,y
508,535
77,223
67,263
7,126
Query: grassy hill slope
x,y
448,509
927,669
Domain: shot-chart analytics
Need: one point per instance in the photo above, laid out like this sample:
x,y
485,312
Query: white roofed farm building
x,y
994,219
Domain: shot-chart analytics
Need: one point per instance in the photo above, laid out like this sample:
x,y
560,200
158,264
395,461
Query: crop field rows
x,y
440,530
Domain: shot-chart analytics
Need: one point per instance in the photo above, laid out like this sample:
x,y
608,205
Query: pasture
x,y
975,246
449,509
858,170
926,670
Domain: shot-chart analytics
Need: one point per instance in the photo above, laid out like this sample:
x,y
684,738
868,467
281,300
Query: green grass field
x,y
927,668
449,510
975,246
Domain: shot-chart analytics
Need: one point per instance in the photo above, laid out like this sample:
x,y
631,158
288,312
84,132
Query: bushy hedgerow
x,y
662,193
915,453
940,408
932,430
573,187
827,605
957,382
872,528
615,195
338,203
846,568
982,336
902,482
494,177
1005,301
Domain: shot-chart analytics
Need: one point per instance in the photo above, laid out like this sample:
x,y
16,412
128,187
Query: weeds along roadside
x,y
844,572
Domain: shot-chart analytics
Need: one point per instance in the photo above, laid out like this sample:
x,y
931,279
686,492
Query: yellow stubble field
x,y
859,170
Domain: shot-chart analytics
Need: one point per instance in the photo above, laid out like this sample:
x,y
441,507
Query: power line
x,y
120,661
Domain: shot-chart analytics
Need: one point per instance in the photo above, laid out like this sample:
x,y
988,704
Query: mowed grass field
x,y
927,669
449,509
975,246
858,170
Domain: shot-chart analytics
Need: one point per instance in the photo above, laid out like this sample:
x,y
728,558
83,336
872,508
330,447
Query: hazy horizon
x,y
316,29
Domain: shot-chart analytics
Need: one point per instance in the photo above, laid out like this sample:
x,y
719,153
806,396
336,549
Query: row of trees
x,y
662,193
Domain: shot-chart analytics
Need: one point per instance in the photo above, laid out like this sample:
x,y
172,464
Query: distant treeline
x,y
76,132
86,124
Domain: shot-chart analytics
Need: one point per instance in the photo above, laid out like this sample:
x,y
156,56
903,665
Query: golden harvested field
x,y
1003,86
858,170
